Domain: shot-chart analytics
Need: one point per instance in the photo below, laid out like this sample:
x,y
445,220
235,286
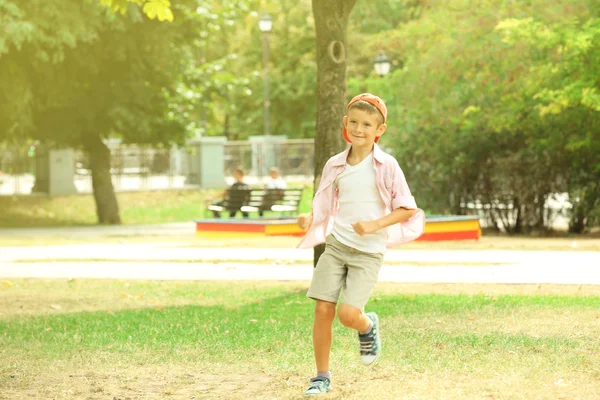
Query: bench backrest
x,y
264,199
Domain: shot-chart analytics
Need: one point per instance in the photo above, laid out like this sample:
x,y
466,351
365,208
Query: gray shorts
x,y
343,267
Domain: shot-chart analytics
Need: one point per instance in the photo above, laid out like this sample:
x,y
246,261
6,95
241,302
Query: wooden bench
x,y
275,200
259,200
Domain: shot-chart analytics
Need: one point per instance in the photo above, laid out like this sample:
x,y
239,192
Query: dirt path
x,y
241,382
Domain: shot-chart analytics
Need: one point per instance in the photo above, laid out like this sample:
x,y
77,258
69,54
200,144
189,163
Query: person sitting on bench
x,y
276,181
239,184
274,186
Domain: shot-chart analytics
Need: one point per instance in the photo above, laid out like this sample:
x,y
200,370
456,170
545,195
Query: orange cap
x,y
371,99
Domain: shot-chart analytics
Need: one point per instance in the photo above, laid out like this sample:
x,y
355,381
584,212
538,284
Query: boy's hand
x,y
364,228
304,220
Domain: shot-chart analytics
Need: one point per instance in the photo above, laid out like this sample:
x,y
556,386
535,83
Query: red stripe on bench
x,y
288,234
461,235
224,227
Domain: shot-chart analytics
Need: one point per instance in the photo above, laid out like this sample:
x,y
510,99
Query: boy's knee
x,y
324,310
348,315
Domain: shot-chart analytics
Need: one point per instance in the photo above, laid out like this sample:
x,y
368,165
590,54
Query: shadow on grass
x,y
47,211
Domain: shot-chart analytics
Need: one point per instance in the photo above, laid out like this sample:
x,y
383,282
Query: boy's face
x,y
363,127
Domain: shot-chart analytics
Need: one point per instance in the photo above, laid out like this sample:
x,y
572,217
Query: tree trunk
x,y
226,131
107,207
577,222
331,21
42,172
540,225
520,213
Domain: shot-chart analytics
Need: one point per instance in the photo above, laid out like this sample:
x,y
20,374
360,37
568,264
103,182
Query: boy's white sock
x,y
325,374
369,328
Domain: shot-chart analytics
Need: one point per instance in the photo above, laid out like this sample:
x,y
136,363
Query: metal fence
x,y
17,166
294,158
135,167
132,168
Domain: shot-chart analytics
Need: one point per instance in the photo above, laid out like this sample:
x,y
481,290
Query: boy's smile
x,y
363,127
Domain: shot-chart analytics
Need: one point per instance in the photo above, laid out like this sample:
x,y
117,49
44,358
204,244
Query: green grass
x,y
257,326
96,324
148,207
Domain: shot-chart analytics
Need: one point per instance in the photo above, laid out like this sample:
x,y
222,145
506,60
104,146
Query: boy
x,y
363,205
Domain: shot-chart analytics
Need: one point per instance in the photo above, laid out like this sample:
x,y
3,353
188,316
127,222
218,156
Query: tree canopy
x,y
496,107
492,104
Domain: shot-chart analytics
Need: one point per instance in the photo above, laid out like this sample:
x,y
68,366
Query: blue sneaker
x,y
318,385
370,343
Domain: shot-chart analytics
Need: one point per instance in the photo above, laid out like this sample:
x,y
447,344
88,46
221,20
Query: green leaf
x,y
159,9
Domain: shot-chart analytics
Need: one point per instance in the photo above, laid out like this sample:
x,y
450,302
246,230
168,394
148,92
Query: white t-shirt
x,y
359,200
278,183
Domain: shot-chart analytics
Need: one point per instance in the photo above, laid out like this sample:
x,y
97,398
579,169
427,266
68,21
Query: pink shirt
x,y
393,190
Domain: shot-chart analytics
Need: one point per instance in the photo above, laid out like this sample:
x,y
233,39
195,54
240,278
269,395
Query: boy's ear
x,y
345,120
381,129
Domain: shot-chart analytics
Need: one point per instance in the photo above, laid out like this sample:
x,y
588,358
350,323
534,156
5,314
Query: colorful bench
x,y
259,200
437,228
451,227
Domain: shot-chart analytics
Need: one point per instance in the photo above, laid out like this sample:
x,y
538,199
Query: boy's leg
x,y
322,334
363,272
322,339
352,317
325,288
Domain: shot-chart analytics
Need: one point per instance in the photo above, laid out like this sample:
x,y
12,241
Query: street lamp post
x,y
382,64
265,24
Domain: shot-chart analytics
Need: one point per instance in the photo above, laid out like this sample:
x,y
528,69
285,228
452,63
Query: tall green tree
x,y
469,122
97,75
566,78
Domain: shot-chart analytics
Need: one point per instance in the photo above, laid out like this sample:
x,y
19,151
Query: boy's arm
x,y
395,217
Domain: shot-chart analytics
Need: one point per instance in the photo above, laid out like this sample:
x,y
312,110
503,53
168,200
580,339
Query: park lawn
x,y
96,339
139,207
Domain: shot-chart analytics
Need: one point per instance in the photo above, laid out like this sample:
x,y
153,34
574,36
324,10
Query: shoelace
x,y
316,383
367,347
